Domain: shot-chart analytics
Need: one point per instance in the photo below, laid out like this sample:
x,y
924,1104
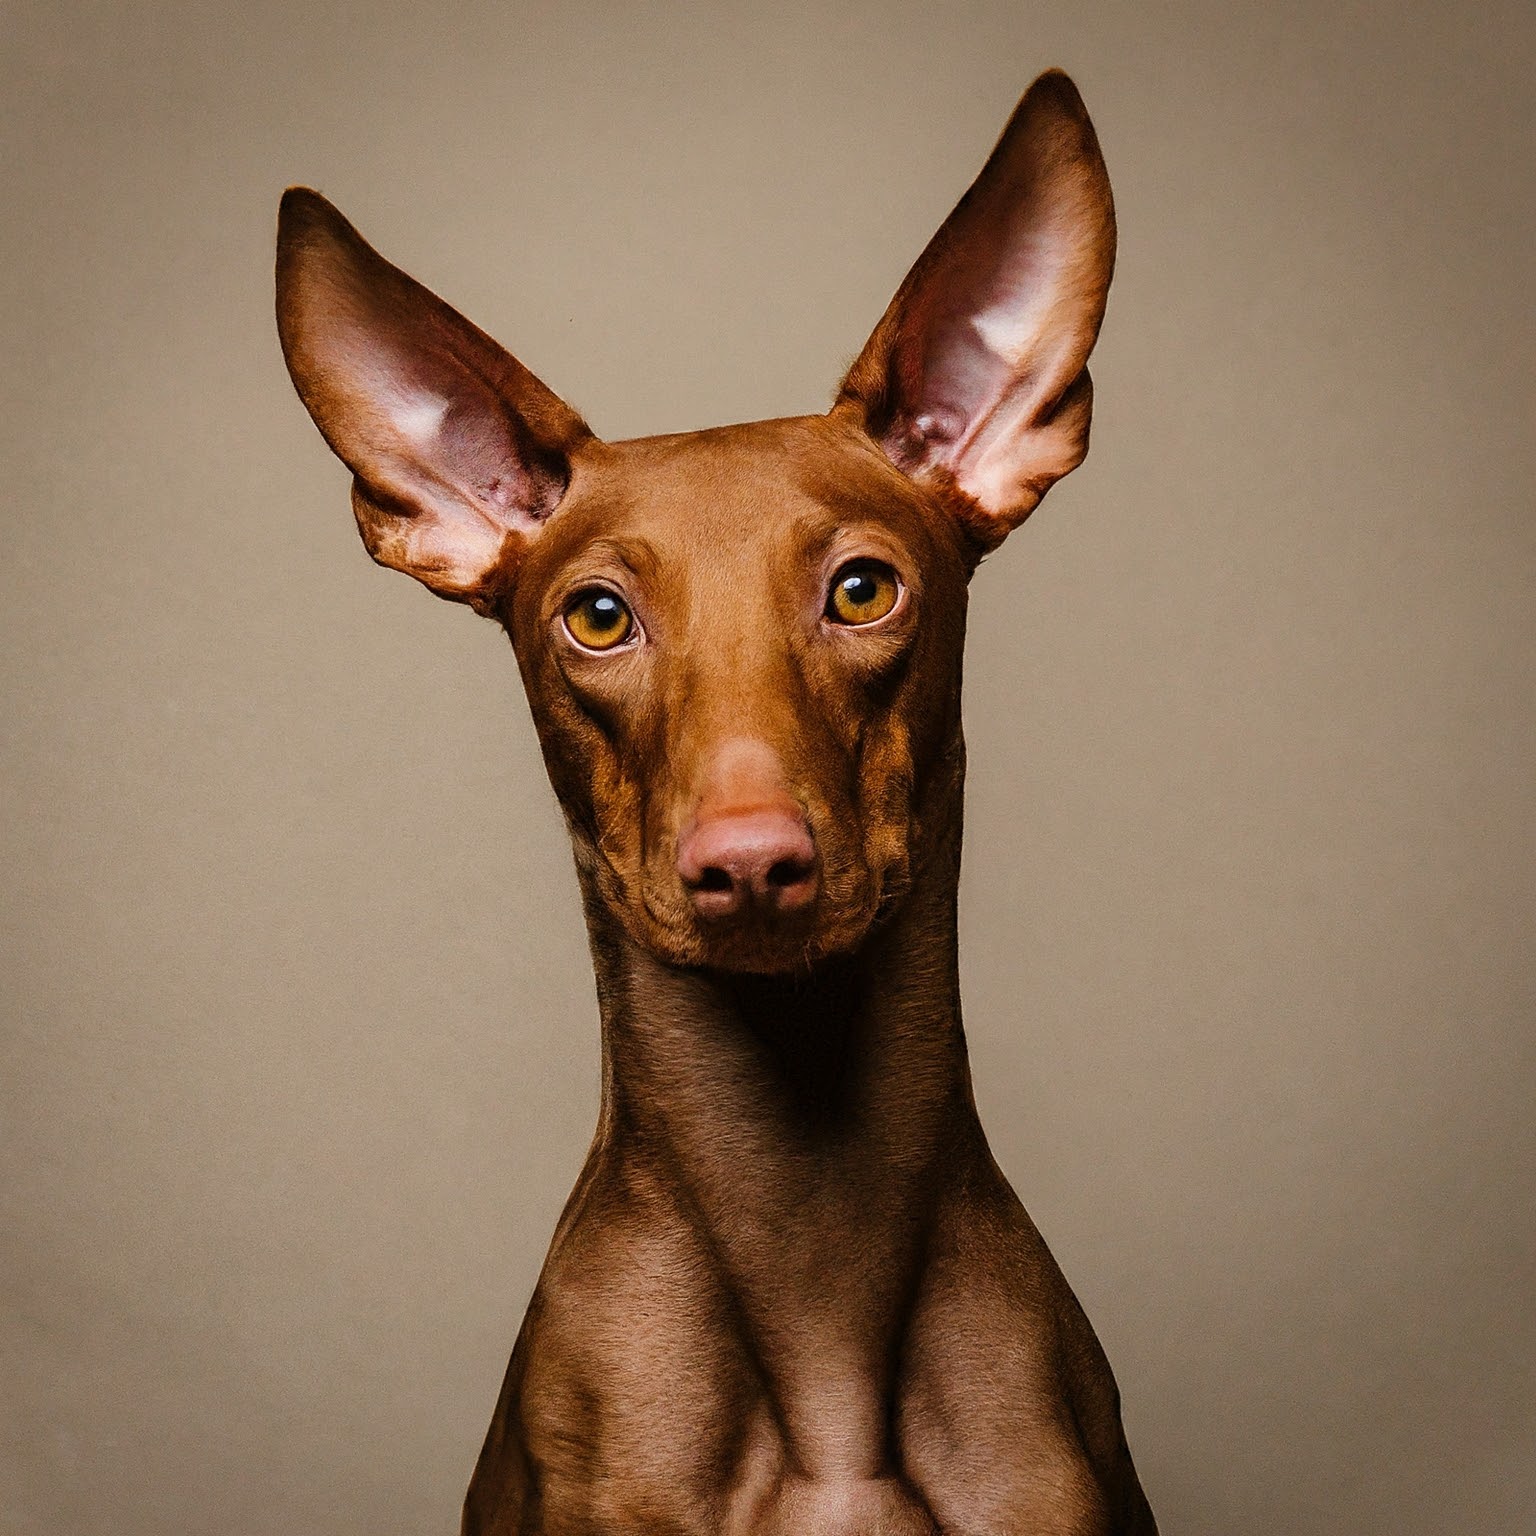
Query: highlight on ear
x,y
976,377
459,453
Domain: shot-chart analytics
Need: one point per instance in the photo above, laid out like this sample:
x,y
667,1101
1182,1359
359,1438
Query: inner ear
x,y
976,376
459,453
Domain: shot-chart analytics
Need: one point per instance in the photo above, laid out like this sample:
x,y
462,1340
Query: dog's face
x,y
742,646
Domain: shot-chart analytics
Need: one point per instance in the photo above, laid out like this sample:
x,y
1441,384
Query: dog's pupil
x,y
860,589
605,612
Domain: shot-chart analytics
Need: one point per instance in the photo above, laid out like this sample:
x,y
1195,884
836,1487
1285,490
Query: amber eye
x,y
862,591
598,619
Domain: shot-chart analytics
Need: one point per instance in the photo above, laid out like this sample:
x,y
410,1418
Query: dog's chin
x,y
770,949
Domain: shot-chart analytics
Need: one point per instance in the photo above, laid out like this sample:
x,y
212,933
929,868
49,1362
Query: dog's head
x,y
742,646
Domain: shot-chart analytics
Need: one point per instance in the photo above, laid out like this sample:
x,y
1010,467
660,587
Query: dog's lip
x,y
752,921
892,885
757,940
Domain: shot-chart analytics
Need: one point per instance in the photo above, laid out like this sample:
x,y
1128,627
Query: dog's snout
x,y
759,859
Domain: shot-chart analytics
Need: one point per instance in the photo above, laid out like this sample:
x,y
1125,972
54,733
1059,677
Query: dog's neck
x,y
805,1128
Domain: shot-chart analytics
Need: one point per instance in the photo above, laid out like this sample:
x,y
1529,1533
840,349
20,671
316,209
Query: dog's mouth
x,y
760,940
665,909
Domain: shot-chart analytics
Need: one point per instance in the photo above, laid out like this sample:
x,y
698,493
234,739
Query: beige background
x,y
299,1038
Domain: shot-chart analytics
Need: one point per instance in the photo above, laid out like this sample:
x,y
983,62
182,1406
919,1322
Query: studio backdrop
x,y
299,1052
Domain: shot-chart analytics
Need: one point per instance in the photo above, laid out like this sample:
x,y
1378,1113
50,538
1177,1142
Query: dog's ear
x,y
459,453
976,376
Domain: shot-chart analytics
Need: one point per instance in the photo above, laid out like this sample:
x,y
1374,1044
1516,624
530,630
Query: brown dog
x,y
791,1292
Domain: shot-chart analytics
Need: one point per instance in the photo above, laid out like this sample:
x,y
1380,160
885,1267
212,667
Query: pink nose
x,y
734,860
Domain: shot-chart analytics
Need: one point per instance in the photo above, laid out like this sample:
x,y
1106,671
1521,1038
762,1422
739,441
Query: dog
x,y
791,1292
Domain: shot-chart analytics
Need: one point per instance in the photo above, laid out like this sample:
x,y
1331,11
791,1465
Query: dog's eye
x,y
862,591
598,619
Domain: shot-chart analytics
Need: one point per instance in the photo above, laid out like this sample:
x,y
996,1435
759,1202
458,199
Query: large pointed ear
x,y
458,452
976,376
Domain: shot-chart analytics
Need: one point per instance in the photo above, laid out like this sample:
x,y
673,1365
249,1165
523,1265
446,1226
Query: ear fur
x,y
459,453
975,379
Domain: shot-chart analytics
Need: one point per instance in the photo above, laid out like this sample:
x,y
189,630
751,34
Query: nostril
x,y
789,872
713,880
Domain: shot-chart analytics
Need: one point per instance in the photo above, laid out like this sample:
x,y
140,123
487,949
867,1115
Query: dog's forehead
x,y
754,490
